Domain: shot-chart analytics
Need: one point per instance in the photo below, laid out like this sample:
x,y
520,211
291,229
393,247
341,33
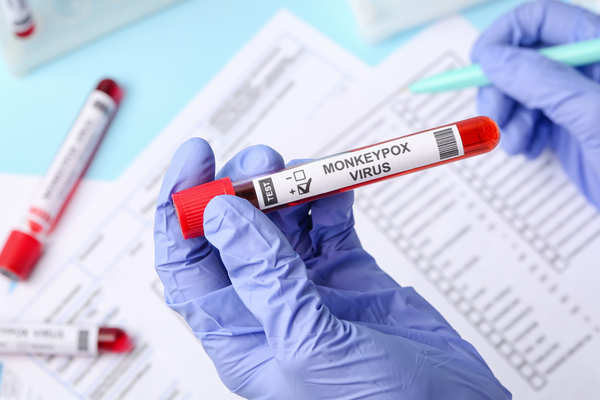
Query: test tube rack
x,y
63,25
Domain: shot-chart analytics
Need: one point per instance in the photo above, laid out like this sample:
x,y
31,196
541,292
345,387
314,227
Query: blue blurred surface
x,y
162,61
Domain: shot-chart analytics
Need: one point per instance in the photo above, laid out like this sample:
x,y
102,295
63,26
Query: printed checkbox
x,y
299,175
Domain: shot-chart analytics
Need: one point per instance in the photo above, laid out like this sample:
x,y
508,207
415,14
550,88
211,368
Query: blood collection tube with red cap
x,y
18,16
24,245
17,338
342,172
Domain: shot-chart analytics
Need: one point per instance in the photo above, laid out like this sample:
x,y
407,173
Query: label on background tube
x,y
343,170
17,14
71,160
48,339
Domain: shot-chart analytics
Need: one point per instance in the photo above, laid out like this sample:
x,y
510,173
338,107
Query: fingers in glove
x,y
187,268
270,278
537,23
563,94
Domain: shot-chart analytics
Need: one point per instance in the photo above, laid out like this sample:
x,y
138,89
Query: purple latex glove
x,y
538,102
289,305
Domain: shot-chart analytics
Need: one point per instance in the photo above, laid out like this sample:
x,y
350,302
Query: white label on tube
x,y
352,168
71,160
48,339
17,14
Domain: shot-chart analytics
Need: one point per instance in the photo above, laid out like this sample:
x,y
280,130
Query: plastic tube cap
x,y
190,204
19,255
111,88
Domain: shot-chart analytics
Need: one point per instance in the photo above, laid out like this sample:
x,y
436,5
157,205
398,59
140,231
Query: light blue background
x,y
162,61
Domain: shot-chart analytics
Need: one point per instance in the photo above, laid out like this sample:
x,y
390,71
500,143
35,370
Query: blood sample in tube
x,y
82,340
113,340
24,245
342,172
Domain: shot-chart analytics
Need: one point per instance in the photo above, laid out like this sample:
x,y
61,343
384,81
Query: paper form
x,y
505,248
287,75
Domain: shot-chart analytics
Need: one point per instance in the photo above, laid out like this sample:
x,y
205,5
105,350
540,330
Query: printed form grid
x,y
409,208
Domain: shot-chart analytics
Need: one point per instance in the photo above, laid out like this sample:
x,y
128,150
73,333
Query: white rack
x,y
62,25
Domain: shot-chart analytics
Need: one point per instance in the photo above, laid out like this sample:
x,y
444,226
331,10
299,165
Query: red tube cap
x,y
111,88
26,33
190,204
19,255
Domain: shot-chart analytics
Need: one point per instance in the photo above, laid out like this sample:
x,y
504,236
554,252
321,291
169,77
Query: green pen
x,y
573,54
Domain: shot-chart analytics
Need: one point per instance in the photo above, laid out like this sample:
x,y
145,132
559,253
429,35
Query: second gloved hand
x,y
540,103
289,305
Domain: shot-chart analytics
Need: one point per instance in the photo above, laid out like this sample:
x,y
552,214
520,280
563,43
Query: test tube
x,y
342,172
18,16
24,245
82,340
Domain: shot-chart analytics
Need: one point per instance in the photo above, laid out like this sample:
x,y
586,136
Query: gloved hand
x,y
290,306
540,103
